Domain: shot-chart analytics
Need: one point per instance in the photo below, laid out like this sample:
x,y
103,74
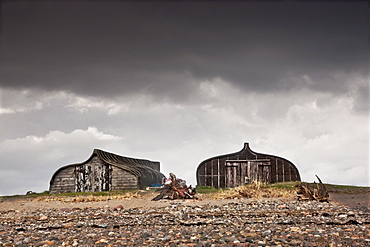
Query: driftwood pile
x,y
174,188
315,192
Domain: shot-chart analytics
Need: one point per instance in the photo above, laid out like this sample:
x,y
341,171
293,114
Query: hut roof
x,y
132,165
138,167
242,154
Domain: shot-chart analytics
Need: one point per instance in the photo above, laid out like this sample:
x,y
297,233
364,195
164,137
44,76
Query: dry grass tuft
x,y
90,198
255,190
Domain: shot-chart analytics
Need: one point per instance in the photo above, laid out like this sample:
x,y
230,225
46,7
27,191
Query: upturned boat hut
x,y
104,171
244,167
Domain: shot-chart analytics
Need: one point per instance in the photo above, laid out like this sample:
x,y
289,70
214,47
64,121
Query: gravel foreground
x,y
239,222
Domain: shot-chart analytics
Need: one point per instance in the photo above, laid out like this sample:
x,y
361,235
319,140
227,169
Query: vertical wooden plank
x,y
265,172
88,178
242,173
78,179
268,172
212,172
235,176
240,177
205,174
97,178
276,171
107,178
227,175
104,179
249,172
253,171
218,173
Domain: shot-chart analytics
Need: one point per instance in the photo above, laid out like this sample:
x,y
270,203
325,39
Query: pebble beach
x,y
140,222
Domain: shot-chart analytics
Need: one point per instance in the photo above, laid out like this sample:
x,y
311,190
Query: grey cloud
x,y
114,48
362,99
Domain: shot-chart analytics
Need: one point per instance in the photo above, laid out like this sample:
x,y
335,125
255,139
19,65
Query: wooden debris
x,y
174,188
315,192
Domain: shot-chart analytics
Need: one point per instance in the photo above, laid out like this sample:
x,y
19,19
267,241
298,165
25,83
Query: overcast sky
x,y
180,82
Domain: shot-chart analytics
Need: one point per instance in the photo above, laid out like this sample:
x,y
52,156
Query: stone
x,y
231,223
118,208
266,233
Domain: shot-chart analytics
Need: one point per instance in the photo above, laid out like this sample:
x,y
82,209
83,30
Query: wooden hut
x,y
105,171
244,167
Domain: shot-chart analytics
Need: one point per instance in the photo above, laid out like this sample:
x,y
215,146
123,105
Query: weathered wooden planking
x,y
105,171
243,167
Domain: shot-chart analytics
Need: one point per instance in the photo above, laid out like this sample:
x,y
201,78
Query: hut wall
x,y
123,180
64,181
91,176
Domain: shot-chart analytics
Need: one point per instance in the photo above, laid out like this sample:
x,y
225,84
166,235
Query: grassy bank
x,y
255,190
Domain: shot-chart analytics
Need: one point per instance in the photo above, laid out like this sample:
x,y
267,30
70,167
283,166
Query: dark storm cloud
x,y
111,48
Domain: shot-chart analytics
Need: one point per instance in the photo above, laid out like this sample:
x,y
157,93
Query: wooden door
x,y
232,174
250,172
259,171
264,172
241,172
93,177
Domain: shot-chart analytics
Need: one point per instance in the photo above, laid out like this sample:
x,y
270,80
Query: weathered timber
x,y
105,171
245,167
175,190
315,192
